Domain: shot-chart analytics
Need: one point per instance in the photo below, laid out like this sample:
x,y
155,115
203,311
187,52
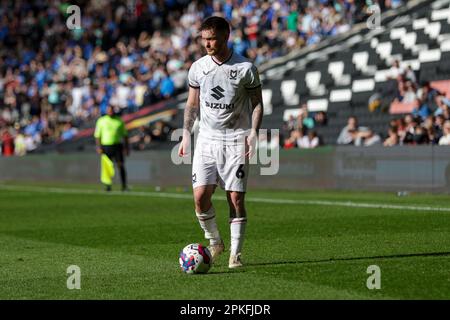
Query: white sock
x,y
237,228
207,221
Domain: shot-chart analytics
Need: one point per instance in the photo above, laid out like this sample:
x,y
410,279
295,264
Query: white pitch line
x,y
250,199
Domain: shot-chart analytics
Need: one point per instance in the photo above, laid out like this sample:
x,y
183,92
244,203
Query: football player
x,y
225,92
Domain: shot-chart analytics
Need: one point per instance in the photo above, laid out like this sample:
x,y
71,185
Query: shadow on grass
x,y
223,271
395,256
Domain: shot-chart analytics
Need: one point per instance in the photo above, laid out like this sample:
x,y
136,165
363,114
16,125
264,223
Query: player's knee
x,y
202,207
202,202
238,202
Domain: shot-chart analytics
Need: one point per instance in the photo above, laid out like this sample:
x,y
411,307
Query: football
x,y
195,258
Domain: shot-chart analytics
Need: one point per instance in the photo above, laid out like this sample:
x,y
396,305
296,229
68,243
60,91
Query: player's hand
x,y
185,146
251,145
99,150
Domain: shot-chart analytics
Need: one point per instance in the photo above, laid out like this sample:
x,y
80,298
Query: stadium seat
x,y
399,107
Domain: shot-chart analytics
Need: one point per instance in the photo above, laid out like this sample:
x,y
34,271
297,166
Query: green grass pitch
x,y
299,245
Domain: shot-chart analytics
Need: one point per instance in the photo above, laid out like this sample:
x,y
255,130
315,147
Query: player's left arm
x,y
257,107
257,115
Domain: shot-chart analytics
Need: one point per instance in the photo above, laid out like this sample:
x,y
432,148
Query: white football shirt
x,y
225,105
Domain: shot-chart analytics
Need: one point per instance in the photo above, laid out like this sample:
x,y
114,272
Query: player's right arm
x,y
191,112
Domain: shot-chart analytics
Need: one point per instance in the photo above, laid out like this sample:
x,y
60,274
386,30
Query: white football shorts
x,y
220,164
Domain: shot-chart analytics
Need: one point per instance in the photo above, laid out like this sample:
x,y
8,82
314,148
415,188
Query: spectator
x,y
20,148
439,121
428,125
30,143
308,141
366,137
292,19
427,94
160,131
167,86
395,71
141,139
375,102
392,139
445,139
291,142
410,75
291,123
409,95
442,105
320,119
401,88
407,134
349,132
304,117
6,142
420,135
68,132
423,110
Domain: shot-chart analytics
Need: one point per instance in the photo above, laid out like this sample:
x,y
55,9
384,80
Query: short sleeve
x,y
192,77
252,78
98,128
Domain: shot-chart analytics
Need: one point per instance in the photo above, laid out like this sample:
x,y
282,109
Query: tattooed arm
x,y
191,112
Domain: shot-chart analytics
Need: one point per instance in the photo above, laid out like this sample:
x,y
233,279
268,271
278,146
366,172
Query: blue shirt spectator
x,y
167,87
423,111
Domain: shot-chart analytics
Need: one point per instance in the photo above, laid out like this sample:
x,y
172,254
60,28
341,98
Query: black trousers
x,y
115,153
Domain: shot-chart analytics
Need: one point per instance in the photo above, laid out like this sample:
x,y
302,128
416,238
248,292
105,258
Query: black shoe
x,y
108,188
125,189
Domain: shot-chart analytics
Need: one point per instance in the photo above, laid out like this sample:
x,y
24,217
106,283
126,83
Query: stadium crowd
x,y
55,81
428,123
300,131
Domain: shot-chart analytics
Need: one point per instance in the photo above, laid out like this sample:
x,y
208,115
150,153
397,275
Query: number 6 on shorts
x,y
240,172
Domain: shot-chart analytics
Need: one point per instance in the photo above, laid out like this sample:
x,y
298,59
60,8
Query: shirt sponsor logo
x,y
214,105
217,92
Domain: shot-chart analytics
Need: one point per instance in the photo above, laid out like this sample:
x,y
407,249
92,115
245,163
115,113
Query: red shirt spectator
x,y
7,143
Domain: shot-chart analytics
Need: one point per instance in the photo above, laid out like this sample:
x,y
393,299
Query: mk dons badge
x,y
233,74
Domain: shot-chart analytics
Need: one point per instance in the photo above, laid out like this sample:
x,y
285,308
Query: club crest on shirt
x,y
233,74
